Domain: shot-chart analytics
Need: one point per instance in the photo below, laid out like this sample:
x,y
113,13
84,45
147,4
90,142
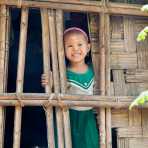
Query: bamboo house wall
x,y
120,64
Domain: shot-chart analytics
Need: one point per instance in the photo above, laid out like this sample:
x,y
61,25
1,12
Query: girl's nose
x,y
75,48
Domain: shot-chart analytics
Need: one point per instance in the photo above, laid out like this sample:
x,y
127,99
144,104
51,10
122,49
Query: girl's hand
x,y
140,100
45,79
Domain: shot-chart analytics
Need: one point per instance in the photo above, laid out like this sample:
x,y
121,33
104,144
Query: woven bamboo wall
x,y
129,69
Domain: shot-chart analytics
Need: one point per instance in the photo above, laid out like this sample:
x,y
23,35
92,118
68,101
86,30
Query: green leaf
x,y
145,8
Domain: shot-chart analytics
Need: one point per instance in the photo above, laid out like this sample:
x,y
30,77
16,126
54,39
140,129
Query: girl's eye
x,y
79,44
69,46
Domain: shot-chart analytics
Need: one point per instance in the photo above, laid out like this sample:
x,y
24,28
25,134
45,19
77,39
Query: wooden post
x,y
20,76
46,62
62,68
53,44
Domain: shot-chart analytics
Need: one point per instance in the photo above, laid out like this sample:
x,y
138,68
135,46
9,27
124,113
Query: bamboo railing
x,y
55,95
46,61
53,41
62,68
4,44
20,77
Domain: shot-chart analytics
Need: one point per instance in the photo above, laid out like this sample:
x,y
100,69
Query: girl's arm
x,y
140,100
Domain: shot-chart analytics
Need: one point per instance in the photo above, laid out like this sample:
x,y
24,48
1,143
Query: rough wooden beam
x,y
83,6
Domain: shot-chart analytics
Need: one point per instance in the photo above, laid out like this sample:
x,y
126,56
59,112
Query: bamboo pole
x,y
3,17
41,96
81,6
59,116
102,76
46,61
20,77
68,103
107,86
62,68
94,33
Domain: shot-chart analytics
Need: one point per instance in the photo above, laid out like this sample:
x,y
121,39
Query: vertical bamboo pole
x,y
102,78
59,26
20,76
59,115
46,62
108,110
94,37
3,12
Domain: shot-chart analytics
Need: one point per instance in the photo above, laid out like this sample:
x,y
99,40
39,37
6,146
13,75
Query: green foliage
x,y
144,33
145,8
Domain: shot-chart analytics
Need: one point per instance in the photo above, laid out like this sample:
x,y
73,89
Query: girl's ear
x,y
88,47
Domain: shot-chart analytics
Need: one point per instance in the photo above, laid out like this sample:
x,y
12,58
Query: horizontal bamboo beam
x,y
106,104
81,6
44,96
67,100
125,9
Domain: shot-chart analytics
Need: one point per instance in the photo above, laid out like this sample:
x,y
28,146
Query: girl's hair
x,y
72,30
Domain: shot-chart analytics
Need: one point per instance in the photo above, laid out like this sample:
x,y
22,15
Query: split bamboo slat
x,y
46,65
20,77
53,44
3,39
62,68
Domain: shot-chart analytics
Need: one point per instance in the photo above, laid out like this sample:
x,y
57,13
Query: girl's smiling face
x,y
76,48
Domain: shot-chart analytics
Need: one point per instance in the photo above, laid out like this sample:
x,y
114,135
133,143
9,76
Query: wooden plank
x,y
59,115
46,64
136,76
20,77
62,68
123,61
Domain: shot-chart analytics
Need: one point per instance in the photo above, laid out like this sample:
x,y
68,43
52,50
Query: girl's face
x,y
76,48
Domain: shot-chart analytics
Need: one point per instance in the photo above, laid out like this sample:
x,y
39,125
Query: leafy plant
x,y
143,33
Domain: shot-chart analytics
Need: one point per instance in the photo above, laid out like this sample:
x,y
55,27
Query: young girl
x,y
80,77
